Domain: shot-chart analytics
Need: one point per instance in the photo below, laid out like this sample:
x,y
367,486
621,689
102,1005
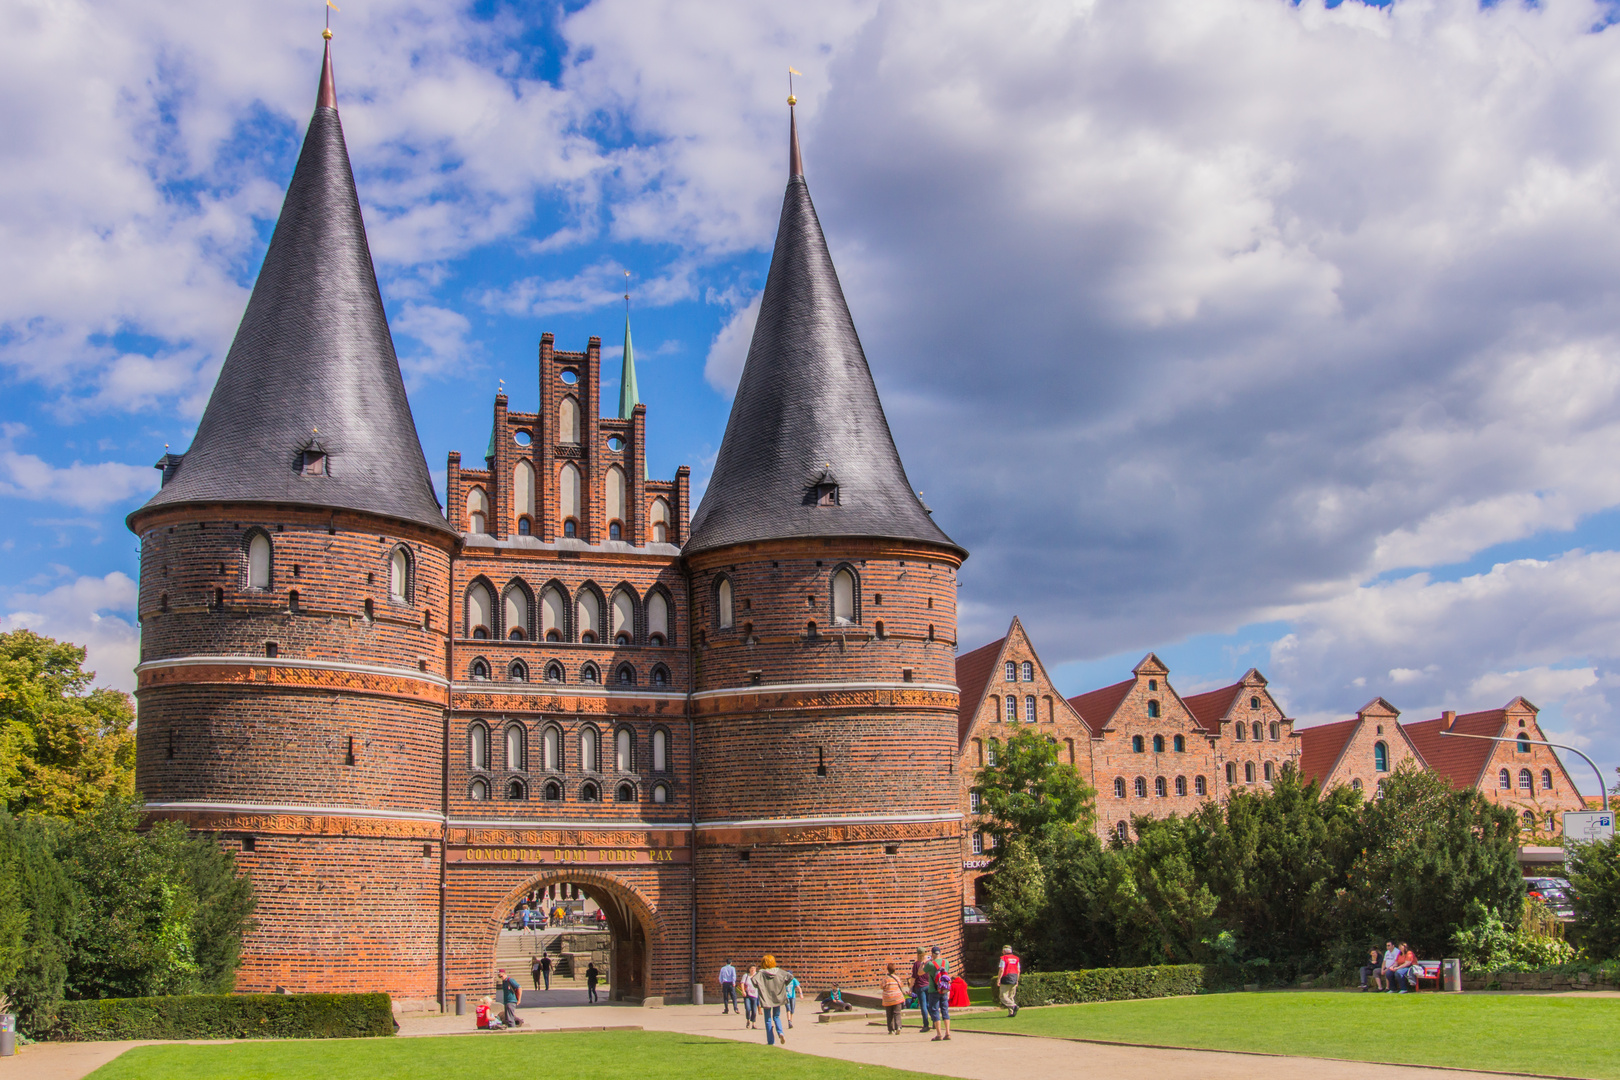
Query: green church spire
x,y
628,398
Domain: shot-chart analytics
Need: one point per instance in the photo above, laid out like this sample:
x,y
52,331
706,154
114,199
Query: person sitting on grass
x,y
833,1001
485,1020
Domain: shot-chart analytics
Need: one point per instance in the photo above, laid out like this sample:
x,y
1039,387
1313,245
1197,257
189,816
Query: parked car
x,y
1555,892
971,914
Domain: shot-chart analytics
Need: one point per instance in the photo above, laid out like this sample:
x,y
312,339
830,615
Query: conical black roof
x,y
806,426
312,366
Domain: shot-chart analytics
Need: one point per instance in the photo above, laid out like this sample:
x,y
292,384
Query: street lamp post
x,y
1537,742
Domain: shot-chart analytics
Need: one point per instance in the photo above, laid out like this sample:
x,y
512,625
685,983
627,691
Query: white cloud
x,y
723,367
86,487
96,613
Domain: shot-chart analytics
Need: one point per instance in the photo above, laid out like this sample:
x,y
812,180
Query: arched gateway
x,y
632,929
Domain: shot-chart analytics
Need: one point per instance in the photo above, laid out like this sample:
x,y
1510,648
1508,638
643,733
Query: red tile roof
x,y
973,672
1459,760
1211,707
1320,747
1097,707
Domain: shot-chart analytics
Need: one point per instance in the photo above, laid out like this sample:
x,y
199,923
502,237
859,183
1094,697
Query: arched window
x,y
660,750
657,618
1181,785
1153,710
1355,784
551,749
1380,757
1504,781
1257,733
843,597
477,511
568,501
258,561
1270,774
554,672
1123,831
1524,743
1276,731
517,613
1526,781
660,793
1248,772
624,617
518,672
624,675
1159,787
590,793
1119,787
1254,703
1180,744
568,421
1231,773
624,751
1546,780
1136,744
1029,709
553,614
525,526
1158,744
479,791
515,758
990,752
659,517
1240,730
589,613
480,671
523,492
613,492
722,603
930,631
399,576
1029,671
1012,671
553,792
588,760
1140,784
515,789
589,674
626,793
478,746
1530,820
660,675
480,611
1199,786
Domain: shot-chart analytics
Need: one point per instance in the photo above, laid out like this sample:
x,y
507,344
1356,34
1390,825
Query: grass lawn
x,y
599,1055
1561,1036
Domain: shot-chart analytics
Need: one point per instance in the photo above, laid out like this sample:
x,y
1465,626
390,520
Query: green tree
x,y
1028,792
1162,910
48,909
1018,906
1594,875
63,743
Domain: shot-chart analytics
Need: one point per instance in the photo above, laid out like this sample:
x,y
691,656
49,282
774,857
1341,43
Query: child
x,y
485,1020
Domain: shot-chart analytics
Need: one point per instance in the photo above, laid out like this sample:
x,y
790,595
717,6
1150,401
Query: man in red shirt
x,y
1007,980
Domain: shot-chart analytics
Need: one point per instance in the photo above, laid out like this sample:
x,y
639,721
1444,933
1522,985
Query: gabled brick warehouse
x,y
734,727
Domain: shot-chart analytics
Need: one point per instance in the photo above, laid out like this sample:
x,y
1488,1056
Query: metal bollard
x,y
697,993
461,1004
8,1034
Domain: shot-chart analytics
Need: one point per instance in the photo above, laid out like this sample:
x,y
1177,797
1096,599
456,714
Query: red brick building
x,y
734,727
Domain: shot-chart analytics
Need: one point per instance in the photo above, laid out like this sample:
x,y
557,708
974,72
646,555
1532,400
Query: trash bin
x,y
1451,976
461,1004
8,1034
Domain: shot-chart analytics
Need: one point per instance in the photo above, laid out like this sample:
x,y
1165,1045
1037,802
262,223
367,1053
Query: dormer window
x,y
314,463
826,494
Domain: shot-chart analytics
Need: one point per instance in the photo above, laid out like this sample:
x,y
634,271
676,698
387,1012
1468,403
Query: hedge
x,y
218,1016
1116,984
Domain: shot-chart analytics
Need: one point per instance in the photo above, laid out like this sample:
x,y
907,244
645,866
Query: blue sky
x,y
1251,333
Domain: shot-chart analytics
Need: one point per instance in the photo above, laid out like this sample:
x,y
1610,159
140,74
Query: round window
x,y
615,444
570,376
522,438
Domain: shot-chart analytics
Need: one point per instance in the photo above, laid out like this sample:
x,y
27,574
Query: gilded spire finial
x,y
795,162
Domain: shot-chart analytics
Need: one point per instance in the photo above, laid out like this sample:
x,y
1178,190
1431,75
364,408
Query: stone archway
x,y
632,925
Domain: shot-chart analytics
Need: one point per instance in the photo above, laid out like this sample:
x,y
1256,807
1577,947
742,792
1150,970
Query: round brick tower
x,y
294,578
824,623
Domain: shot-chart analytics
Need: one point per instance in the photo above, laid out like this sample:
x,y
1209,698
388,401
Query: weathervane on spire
x,y
795,164
330,7
792,101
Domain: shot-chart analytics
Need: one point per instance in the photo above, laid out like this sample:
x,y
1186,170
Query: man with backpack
x,y
510,993
938,975
919,987
1007,980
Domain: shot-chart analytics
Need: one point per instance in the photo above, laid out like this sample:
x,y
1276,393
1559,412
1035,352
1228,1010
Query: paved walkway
x,y
973,1055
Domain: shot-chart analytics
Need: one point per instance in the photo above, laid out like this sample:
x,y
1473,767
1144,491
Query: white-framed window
x,y
1181,785
974,801
1030,715
1029,671
1012,709
978,843
1012,671
990,753
1140,785
1199,786
1119,787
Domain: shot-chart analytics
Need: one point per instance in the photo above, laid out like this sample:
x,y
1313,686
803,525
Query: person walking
x,y
510,992
939,998
534,970
919,987
728,989
793,990
592,975
1007,980
894,999
545,969
771,982
750,992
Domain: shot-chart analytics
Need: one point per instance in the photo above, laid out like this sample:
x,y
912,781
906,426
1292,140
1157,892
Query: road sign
x,y
1585,825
